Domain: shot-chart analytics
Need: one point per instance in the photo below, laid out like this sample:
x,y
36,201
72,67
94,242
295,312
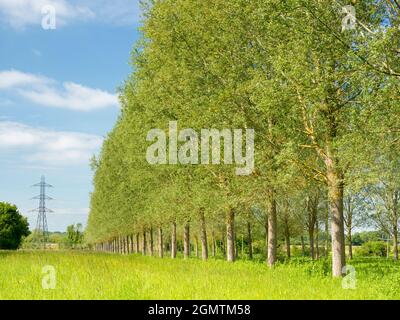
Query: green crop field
x,y
84,275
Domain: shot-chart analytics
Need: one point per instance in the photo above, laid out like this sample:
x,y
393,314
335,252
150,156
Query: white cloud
x,y
14,78
47,92
20,14
116,12
55,148
73,96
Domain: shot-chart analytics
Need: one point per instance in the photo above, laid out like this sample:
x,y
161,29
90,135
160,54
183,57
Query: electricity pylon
x,y
41,233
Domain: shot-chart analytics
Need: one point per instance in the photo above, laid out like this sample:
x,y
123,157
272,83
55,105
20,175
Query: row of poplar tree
x,y
322,98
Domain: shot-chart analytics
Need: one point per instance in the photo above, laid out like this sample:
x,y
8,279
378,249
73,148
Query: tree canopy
x,y
323,102
13,227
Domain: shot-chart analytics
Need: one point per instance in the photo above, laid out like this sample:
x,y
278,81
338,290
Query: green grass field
x,y
85,275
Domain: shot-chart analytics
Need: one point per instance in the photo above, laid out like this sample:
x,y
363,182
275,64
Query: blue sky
x,y
58,97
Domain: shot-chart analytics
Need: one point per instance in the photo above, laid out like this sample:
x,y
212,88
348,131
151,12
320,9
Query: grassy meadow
x,y
88,275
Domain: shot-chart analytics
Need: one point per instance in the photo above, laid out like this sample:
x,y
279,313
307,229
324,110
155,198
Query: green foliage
x,y
13,227
373,249
56,239
361,237
74,235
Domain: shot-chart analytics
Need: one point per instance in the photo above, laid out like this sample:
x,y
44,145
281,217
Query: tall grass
x,y
85,275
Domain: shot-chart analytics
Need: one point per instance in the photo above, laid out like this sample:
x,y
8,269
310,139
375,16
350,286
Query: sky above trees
x,y
58,97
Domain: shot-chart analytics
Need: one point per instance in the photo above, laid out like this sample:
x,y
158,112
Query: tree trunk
x,y
230,236
349,239
236,247
327,233
316,240
173,241
213,245
348,222
203,235
387,246
287,237
335,202
186,241
249,240
312,210
242,253
395,241
311,238
132,244
137,243
266,238
303,247
196,246
395,220
272,231
151,241
144,243
160,243
288,247
223,248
